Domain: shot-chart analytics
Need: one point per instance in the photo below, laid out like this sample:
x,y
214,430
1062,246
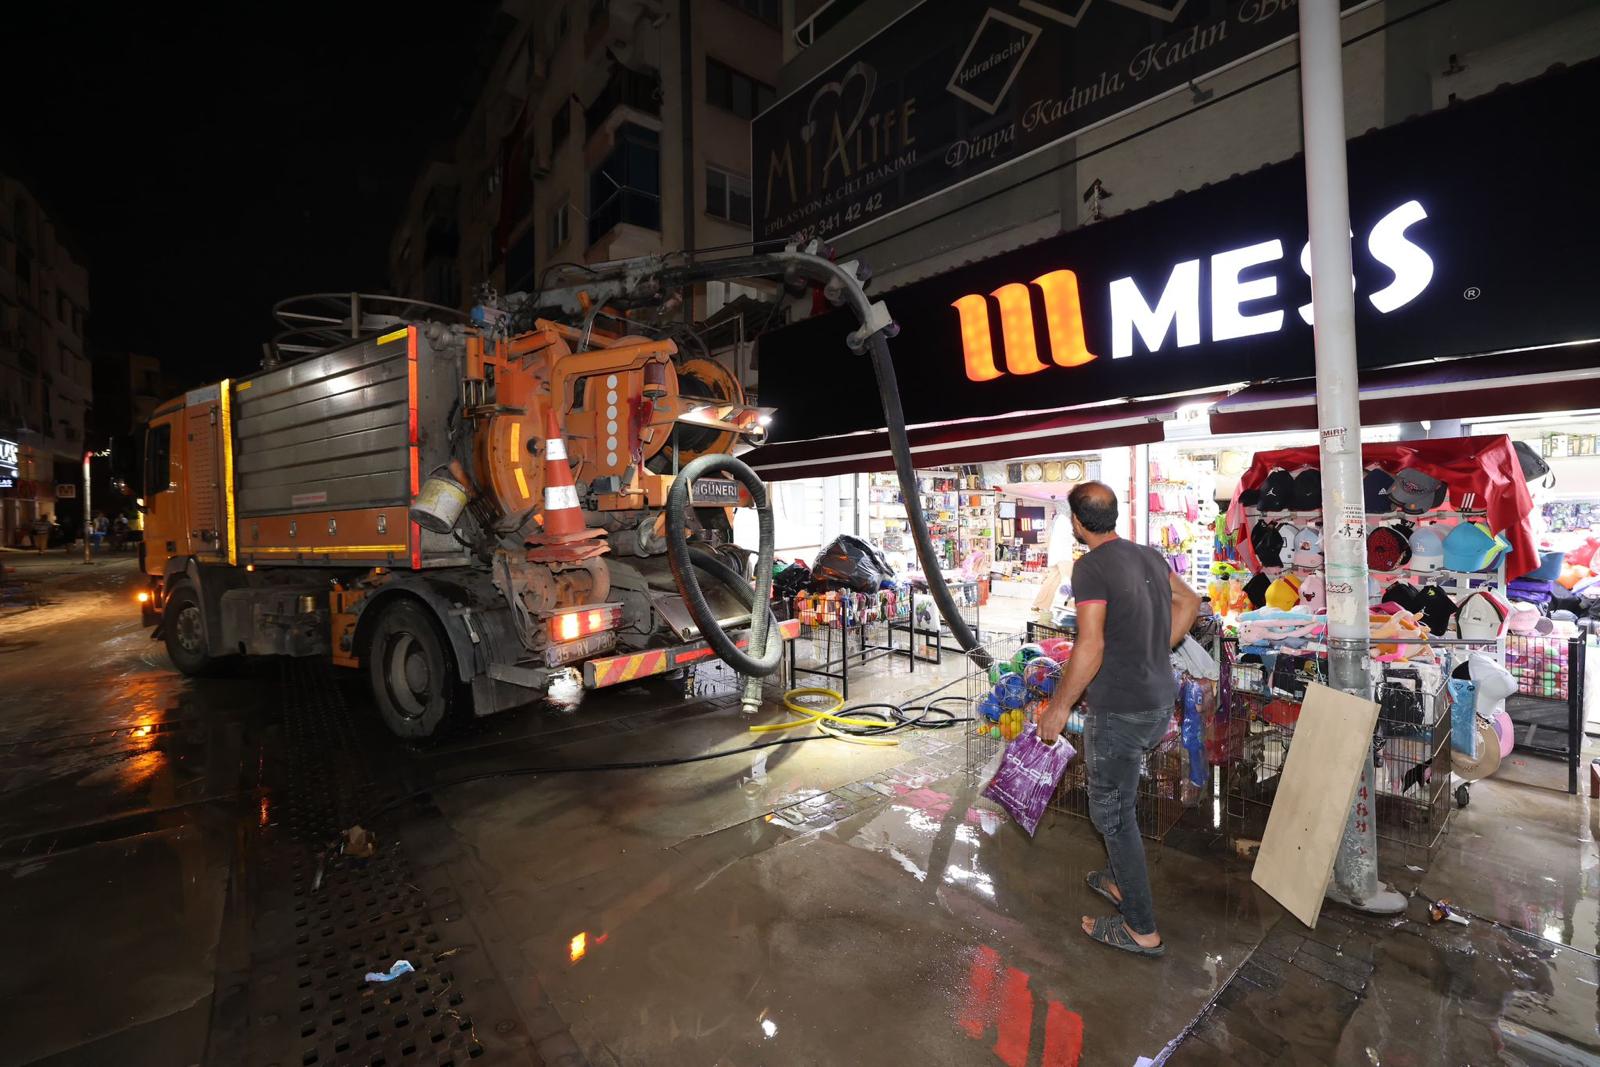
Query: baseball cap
x,y
1375,488
1522,619
1308,548
1483,617
1266,538
1427,550
1549,567
1388,548
1256,589
1313,594
1471,547
1405,595
1284,593
1308,490
1414,492
1277,493
1437,609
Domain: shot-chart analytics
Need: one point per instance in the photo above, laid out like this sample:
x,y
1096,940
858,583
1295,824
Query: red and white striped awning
x,y
1565,378
1056,432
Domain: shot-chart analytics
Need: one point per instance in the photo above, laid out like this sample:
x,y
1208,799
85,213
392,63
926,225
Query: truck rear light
x,y
581,622
144,598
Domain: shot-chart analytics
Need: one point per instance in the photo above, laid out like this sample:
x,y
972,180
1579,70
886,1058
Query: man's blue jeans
x,y
1115,743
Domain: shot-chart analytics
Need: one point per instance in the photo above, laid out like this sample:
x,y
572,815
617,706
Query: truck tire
x,y
183,626
412,672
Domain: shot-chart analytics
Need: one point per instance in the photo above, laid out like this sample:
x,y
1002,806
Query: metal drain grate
x,y
318,922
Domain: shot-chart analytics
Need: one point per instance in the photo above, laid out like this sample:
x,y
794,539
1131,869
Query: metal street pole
x,y
1355,870
88,523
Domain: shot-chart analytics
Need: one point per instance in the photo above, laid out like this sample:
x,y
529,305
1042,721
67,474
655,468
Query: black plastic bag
x,y
791,580
850,563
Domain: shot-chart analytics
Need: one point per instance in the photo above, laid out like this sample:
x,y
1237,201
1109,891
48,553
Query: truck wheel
x,y
413,674
184,628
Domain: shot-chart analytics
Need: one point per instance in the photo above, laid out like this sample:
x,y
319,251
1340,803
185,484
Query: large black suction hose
x,y
895,419
763,637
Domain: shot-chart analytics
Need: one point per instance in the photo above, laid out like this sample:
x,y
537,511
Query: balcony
x,y
627,88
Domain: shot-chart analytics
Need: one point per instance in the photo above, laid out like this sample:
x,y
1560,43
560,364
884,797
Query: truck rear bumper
x,y
614,670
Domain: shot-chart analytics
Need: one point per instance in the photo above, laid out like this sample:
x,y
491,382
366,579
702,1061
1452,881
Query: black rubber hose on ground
x,y
895,419
770,652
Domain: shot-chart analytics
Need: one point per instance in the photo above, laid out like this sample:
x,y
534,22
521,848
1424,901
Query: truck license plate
x,y
715,492
582,648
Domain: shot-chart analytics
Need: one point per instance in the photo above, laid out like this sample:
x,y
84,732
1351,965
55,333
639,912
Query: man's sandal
x,y
1112,930
1096,880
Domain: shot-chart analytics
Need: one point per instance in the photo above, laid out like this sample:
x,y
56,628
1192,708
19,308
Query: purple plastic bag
x,y
1028,776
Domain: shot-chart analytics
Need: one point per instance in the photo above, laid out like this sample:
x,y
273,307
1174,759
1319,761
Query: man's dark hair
x,y
1094,505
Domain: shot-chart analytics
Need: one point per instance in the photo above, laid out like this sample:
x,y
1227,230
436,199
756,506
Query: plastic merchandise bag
x,y
1028,775
851,563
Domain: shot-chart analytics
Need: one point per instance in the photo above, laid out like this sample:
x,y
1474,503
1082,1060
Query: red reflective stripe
x,y
416,547
1084,603
976,1009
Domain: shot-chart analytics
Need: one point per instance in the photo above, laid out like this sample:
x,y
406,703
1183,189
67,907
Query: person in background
x,y
42,527
98,529
1132,612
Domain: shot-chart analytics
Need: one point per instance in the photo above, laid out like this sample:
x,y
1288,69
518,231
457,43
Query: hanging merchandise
x,y
1389,547
1415,493
1472,547
1375,489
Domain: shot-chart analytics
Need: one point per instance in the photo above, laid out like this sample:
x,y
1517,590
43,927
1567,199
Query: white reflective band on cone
x,y
555,448
557,497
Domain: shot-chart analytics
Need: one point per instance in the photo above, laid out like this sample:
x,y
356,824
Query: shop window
x,y
727,196
158,459
739,93
626,187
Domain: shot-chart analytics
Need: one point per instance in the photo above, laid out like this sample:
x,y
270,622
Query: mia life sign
x,y
1244,301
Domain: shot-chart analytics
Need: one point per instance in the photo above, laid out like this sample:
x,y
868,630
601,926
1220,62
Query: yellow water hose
x,y
822,717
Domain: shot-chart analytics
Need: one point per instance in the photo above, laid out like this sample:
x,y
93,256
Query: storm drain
x,y
316,922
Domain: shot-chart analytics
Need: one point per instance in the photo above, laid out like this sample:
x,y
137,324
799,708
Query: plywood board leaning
x,y
1318,784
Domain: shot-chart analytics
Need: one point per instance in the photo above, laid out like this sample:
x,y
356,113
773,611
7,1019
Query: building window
x,y
599,11
562,22
560,219
626,187
158,459
560,126
768,11
739,93
61,307
66,359
727,196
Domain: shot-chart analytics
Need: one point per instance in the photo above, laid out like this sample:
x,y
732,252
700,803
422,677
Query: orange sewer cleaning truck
x,y
468,508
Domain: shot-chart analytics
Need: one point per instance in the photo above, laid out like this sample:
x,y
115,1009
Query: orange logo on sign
x,y
1063,315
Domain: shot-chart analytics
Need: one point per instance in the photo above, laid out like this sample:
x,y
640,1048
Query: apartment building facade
x,y
46,383
606,129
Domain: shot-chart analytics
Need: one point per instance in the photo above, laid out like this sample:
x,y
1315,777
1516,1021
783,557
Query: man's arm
x,y
1185,608
1088,651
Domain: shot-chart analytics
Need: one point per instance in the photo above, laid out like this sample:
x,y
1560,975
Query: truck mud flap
x,y
615,670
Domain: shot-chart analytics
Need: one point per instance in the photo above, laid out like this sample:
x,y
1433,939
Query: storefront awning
x,y
976,441
1509,383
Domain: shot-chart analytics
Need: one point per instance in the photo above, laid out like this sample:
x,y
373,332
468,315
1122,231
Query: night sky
x,y
213,161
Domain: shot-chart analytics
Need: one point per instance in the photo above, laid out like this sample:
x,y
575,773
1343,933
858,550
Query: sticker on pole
x,y
1334,438
1352,523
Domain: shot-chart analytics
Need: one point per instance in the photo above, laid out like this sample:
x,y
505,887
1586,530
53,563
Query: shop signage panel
x,y
8,463
952,90
1456,250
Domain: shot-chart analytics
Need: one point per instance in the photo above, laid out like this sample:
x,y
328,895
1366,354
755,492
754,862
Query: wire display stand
x,y
1160,801
1547,710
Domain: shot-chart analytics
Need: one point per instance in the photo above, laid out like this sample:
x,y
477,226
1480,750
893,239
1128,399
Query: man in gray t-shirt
x,y
1132,611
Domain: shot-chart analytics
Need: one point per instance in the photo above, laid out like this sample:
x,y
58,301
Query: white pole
x,y
1355,872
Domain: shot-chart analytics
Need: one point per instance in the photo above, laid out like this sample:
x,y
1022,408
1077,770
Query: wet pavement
x,y
163,850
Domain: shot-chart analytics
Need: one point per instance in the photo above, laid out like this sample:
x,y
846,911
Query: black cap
x,y
1308,490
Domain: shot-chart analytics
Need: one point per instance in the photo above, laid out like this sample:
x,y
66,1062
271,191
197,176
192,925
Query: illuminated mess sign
x,y
8,463
1174,315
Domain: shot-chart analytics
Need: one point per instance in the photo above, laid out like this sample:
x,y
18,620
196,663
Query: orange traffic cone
x,y
563,518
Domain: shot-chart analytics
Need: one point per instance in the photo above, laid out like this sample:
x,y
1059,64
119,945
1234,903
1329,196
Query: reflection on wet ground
x,y
807,903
